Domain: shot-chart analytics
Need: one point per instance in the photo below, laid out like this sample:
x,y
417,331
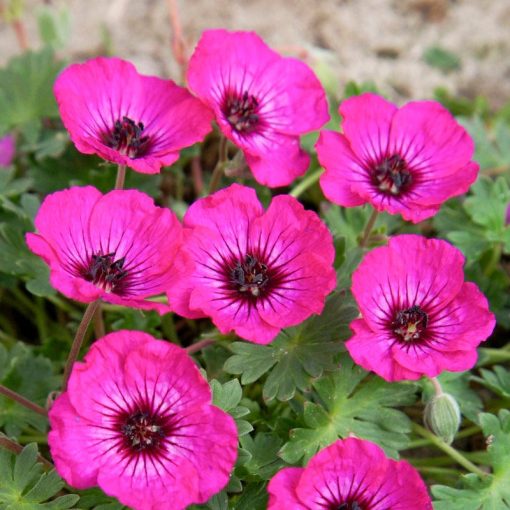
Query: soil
x,y
383,41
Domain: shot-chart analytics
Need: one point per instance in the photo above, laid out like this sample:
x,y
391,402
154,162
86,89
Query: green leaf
x,y
493,492
497,380
31,376
351,402
264,462
444,60
96,499
24,486
298,354
26,88
227,397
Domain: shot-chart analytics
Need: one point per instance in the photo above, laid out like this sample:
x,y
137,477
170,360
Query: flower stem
x,y
449,450
121,177
306,183
99,330
219,168
78,340
22,400
437,386
16,448
368,228
199,345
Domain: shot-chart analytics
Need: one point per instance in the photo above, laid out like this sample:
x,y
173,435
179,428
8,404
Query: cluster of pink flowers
x,y
137,418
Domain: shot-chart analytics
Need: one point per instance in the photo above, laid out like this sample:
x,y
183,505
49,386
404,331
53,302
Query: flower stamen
x,y
127,138
392,175
241,112
410,324
250,276
106,272
142,432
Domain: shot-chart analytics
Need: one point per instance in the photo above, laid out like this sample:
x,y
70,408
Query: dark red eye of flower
x,y
143,431
410,324
250,276
126,137
354,505
242,112
391,175
106,272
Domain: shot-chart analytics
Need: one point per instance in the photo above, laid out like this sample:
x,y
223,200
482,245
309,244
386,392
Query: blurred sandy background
x,y
379,40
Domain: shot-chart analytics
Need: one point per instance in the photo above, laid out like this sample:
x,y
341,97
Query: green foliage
x,y
26,90
31,376
497,380
24,486
227,397
442,59
95,499
493,492
351,402
298,354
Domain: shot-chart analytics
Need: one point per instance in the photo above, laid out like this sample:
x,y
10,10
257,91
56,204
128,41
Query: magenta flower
x,y
128,118
250,270
137,420
7,150
262,101
419,316
119,247
507,215
404,161
352,474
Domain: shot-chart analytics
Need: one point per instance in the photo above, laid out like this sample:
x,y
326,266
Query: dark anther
x,y
127,138
391,175
241,112
142,432
409,324
106,272
249,276
349,506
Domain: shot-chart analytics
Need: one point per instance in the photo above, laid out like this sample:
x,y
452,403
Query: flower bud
x,y
442,416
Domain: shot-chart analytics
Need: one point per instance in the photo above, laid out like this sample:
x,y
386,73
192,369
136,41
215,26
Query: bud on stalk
x,y
442,416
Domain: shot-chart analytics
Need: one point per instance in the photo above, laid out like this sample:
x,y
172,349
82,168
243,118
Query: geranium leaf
x,y
24,486
493,492
351,402
298,354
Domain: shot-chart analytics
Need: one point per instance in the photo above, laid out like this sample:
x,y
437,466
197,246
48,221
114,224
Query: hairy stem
x,y
99,330
368,228
121,177
219,168
22,400
16,448
199,345
449,450
78,340
306,183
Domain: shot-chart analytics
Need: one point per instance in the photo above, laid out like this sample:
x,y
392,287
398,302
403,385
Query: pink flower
x,y
507,215
352,474
419,316
404,161
137,420
250,270
119,247
262,101
128,118
7,150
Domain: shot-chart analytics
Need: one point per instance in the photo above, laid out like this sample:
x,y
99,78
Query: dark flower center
x,y
249,276
143,432
410,324
127,138
354,505
106,272
241,112
391,175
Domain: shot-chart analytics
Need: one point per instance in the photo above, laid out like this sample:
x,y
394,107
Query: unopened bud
x,y
442,416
